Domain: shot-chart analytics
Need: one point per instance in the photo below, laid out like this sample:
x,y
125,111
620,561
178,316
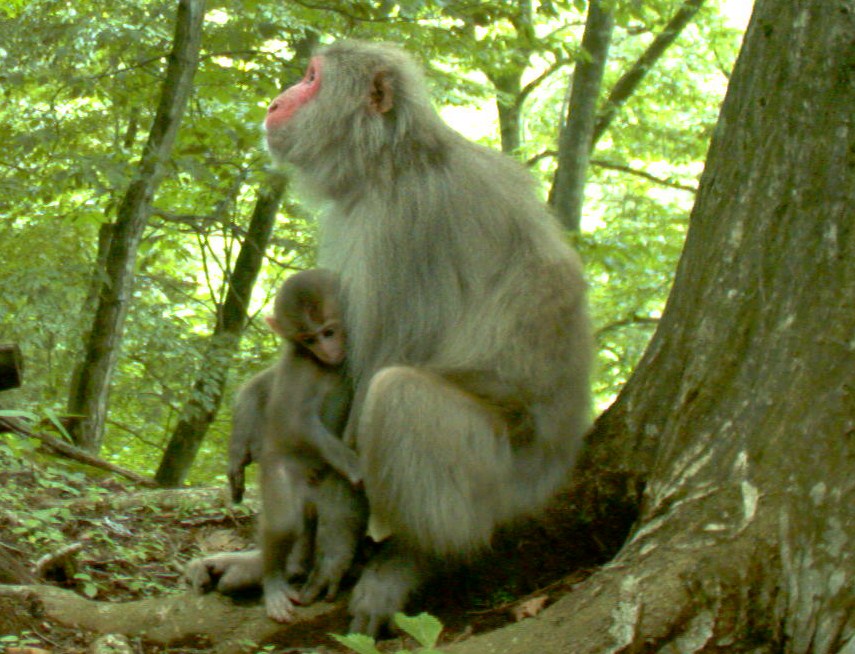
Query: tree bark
x,y
574,140
734,436
208,390
90,304
508,104
229,628
90,391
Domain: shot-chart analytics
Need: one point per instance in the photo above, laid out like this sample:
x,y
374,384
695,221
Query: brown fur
x,y
290,418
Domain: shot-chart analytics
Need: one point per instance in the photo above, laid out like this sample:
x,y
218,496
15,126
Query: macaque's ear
x,y
274,325
381,98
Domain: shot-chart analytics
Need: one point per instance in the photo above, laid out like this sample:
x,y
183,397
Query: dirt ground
x,y
130,545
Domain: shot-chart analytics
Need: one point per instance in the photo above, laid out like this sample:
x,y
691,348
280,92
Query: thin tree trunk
x,y
90,304
508,92
734,436
574,141
90,392
508,83
582,130
208,390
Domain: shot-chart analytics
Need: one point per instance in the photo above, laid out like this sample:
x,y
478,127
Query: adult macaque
x,y
304,464
468,336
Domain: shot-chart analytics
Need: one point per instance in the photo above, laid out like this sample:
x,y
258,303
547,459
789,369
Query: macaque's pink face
x,y
286,104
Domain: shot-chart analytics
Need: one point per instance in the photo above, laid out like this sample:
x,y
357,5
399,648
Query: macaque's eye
x,y
329,333
308,341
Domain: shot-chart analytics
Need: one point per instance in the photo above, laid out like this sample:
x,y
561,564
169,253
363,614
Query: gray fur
x,y
451,269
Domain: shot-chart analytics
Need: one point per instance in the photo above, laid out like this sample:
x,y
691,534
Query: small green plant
x,y
424,627
34,419
25,639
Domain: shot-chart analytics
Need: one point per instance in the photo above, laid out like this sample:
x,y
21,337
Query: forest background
x,y
143,234
82,83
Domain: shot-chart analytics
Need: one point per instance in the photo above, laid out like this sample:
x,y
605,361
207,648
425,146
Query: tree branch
x,y
630,80
72,452
640,173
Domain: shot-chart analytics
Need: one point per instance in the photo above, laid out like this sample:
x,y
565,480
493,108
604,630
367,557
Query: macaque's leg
x,y
300,557
248,422
438,468
384,587
342,517
227,573
437,462
284,491
237,479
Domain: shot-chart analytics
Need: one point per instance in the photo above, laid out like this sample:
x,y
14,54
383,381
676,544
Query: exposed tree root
x,y
676,597
229,628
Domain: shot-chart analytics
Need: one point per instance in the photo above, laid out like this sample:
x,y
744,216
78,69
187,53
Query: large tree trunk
x,y
90,387
738,424
207,395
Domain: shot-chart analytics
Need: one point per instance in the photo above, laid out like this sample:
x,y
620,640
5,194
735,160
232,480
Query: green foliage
x,y
22,640
79,83
86,584
47,504
424,628
41,526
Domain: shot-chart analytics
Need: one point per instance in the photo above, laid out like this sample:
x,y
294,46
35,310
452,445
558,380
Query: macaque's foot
x,y
299,559
199,575
229,572
386,584
279,599
295,571
375,600
319,583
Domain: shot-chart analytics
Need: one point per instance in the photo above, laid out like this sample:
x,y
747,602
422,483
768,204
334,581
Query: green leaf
x,y
424,627
51,415
359,643
12,413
